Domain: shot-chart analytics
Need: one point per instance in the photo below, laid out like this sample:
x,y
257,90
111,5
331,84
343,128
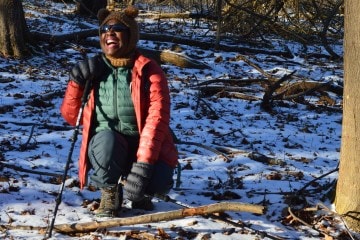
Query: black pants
x,y
111,155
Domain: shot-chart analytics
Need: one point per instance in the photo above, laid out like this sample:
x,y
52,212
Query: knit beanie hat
x,y
126,17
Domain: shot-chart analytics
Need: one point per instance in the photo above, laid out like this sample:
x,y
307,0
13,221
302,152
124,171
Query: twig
x,y
212,114
205,147
232,81
17,168
257,67
23,147
299,219
314,180
40,125
270,193
243,225
303,222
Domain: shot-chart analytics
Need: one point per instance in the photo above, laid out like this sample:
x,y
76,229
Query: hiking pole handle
x,y
83,103
167,198
86,92
73,141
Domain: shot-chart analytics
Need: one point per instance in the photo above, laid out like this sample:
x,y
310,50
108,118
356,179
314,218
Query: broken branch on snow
x,y
148,218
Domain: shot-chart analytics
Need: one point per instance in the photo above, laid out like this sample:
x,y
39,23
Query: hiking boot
x,y
144,204
110,203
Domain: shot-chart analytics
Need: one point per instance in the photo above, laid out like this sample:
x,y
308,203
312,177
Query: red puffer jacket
x,y
152,107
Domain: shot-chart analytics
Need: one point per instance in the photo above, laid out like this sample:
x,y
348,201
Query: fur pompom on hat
x,y
126,17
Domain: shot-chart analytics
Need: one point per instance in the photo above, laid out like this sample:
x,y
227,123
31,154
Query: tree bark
x,y
218,25
14,33
347,200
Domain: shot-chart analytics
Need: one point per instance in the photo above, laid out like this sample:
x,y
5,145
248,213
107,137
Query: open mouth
x,y
110,42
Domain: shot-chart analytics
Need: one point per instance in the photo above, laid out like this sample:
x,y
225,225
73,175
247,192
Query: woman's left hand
x,y
137,181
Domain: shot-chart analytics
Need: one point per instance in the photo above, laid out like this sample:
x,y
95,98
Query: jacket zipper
x,y
115,94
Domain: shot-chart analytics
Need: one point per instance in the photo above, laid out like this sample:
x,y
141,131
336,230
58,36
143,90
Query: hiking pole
x,y
167,198
73,141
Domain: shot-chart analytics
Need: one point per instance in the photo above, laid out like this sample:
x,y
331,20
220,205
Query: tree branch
x,y
148,218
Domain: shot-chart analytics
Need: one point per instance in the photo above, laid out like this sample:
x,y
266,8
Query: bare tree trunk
x,y
347,199
219,20
13,29
90,7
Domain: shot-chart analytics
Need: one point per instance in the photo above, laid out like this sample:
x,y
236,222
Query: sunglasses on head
x,y
115,27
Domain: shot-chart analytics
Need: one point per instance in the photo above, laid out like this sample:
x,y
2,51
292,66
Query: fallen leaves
x,y
319,218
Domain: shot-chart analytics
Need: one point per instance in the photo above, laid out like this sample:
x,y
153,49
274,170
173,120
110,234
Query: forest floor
x,y
282,155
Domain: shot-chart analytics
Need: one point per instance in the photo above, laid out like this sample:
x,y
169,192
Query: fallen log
x,y
160,56
148,218
181,60
165,57
59,38
238,95
299,89
94,32
210,45
158,16
158,217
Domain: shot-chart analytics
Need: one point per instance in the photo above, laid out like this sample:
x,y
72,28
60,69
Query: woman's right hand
x,y
89,69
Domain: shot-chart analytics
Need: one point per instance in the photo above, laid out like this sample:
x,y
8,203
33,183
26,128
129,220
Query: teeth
x,y
110,41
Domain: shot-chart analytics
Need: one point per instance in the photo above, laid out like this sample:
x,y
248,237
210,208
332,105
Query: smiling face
x,y
114,43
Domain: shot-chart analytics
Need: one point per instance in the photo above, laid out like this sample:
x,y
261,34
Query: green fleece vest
x,y
114,106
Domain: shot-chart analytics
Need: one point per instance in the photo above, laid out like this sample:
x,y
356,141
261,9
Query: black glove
x,y
137,181
89,69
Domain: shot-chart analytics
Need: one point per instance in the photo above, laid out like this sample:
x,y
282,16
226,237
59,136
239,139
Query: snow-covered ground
x,y
230,149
